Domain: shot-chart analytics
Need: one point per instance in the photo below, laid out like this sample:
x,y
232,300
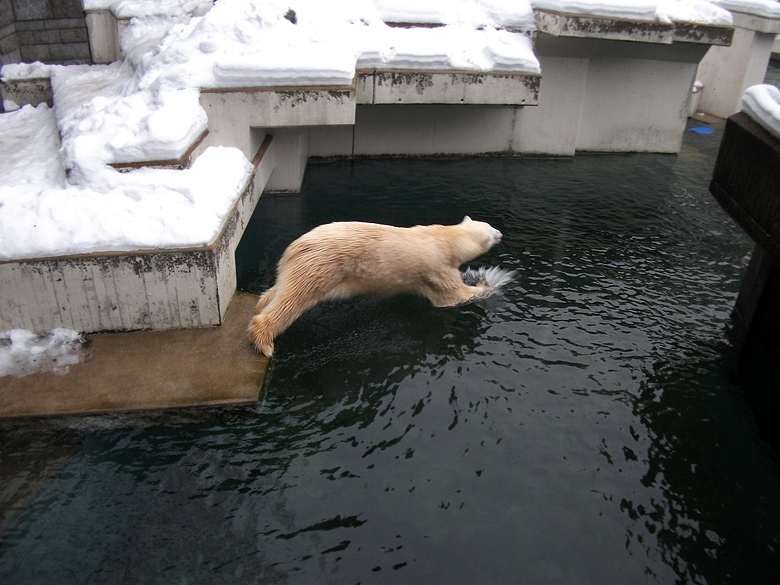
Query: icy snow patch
x,y
21,71
28,155
23,353
762,103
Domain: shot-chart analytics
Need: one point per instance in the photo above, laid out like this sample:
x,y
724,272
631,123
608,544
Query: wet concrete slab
x,y
146,370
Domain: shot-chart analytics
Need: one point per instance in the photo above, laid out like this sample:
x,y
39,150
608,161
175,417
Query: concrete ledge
x,y
125,291
24,92
148,370
560,24
234,112
691,32
103,36
381,86
756,23
184,161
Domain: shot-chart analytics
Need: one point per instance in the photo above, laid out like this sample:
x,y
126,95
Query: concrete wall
x,y
726,72
637,91
9,41
103,36
551,127
50,31
588,100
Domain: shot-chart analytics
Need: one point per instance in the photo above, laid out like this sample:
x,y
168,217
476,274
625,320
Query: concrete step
x,y
147,370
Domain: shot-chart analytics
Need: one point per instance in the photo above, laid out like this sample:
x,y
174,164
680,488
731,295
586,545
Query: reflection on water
x,y
576,427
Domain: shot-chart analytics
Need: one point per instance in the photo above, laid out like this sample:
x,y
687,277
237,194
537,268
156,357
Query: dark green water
x,y
579,427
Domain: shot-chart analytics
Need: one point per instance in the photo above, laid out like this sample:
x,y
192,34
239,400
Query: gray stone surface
x,y
8,40
62,51
32,9
67,9
13,57
6,13
74,35
52,31
30,53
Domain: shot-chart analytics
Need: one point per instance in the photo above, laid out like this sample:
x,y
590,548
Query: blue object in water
x,y
702,130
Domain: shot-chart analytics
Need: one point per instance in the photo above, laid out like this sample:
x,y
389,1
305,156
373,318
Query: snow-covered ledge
x,y
153,288
762,103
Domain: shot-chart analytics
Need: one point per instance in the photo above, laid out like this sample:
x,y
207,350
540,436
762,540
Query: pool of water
x,y
578,427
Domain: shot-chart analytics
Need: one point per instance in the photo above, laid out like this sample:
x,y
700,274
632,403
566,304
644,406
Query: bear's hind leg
x,y
259,334
285,307
265,298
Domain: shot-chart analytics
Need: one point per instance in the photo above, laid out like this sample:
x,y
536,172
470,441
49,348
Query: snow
x,y
762,103
42,215
29,160
699,11
479,13
765,8
23,353
14,71
134,8
59,195
144,8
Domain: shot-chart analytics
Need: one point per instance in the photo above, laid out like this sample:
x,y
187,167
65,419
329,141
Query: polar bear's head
x,y
485,234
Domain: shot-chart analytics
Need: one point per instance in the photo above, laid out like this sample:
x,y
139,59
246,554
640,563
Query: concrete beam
x,y
232,112
103,36
447,87
560,24
26,91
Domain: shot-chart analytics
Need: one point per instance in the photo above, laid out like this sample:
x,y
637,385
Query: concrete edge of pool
x,y
147,370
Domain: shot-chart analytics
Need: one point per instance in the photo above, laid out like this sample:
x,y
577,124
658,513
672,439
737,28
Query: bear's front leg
x,y
448,289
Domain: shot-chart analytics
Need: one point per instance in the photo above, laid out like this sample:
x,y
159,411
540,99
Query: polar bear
x,y
343,259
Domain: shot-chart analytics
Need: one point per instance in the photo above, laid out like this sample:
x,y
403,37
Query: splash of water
x,y
494,276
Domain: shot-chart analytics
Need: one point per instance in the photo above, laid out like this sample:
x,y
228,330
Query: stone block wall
x,y
50,31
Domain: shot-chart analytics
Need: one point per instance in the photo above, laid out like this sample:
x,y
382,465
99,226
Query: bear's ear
x,y
466,219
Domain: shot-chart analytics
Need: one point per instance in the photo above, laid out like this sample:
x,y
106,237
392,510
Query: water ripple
x,y
577,427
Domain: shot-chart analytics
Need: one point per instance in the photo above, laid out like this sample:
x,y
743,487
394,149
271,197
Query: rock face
x,y
51,31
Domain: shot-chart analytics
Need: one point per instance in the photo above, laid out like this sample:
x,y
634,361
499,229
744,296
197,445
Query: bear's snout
x,y
496,237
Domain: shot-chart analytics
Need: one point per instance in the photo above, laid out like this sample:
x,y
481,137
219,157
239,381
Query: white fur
x,y
343,259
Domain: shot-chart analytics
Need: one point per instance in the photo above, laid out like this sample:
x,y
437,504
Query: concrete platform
x,y
145,370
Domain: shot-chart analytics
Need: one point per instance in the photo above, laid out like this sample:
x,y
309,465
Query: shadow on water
x,y
577,427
